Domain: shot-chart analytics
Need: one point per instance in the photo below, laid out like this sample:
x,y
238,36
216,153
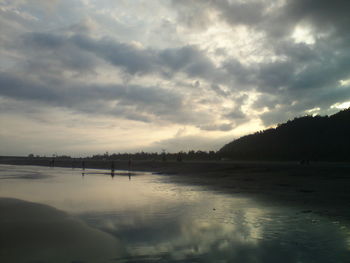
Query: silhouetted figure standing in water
x,y
179,157
164,156
129,169
112,167
52,162
129,165
305,162
83,165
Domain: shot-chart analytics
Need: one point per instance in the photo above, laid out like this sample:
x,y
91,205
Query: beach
x,y
174,212
320,188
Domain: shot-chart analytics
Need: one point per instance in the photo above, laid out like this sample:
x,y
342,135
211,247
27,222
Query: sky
x,y
82,77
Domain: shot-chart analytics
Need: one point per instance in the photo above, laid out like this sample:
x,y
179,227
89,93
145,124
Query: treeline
x,y
154,156
318,138
143,156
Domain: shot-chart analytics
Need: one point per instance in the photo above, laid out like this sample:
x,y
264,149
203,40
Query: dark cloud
x,y
44,40
142,103
199,14
53,54
187,59
301,73
241,13
322,14
219,90
306,100
270,16
275,76
132,59
73,94
13,86
217,127
235,115
193,13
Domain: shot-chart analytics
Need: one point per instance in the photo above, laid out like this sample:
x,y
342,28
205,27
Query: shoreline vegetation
x,y
308,138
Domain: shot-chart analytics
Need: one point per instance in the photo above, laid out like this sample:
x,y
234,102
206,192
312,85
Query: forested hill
x,y
319,138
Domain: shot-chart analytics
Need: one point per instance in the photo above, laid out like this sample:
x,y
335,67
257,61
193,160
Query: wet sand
x,y
31,232
318,188
321,188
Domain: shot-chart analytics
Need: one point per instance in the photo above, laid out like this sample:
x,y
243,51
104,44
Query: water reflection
x,y
162,222
185,235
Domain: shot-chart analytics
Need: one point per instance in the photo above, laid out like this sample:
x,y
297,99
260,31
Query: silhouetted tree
x,y
304,138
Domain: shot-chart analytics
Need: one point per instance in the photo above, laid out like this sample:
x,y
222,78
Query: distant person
x,y
129,165
112,167
179,157
163,157
52,163
83,165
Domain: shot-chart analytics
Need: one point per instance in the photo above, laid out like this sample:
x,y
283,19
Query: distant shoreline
x,y
170,166
321,188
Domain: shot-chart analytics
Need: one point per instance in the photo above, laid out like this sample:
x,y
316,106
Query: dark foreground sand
x,y
31,232
322,188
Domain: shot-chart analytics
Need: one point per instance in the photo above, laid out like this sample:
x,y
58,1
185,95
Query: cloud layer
x,y
210,67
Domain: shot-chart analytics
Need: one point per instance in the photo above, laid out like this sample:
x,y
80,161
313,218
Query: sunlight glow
x,y
344,82
303,34
313,110
341,106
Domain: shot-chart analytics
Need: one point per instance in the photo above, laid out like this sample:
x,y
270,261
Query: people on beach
x,y
179,157
305,162
129,165
52,162
112,167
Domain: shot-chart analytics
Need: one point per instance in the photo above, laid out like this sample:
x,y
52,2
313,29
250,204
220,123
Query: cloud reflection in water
x,y
157,221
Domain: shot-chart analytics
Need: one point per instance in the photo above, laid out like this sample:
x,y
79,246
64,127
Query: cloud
x,y
296,67
74,95
241,13
142,103
132,59
321,14
57,65
217,127
187,65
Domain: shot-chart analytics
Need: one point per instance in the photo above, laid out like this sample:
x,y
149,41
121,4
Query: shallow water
x,y
145,218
